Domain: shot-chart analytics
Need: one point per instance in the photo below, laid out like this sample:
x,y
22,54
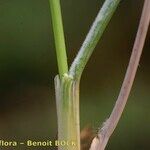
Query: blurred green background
x,y
28,67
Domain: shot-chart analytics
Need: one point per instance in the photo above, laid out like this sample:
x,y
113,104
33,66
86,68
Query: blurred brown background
x,y
28,66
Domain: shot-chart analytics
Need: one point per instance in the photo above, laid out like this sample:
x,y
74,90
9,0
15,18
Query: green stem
x,y
59,36
67,100
93,37
67,84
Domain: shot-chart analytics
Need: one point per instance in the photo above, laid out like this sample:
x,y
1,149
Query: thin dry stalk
x,y
100,142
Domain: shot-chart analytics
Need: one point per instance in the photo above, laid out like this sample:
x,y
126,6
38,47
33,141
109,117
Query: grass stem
x,y
111,123
59,36
92,38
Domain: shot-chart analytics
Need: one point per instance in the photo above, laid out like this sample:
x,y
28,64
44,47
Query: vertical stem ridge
x,y
67,100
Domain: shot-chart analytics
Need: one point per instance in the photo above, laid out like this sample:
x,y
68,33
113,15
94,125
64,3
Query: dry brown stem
x,y
100,142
